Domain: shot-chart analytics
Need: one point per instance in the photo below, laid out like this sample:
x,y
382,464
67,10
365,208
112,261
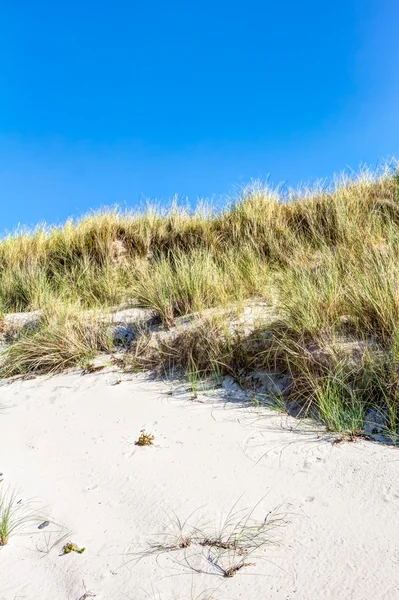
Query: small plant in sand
x,y
227,549
14,515
71,547
193,382
145,439
236,539
194,379
179,536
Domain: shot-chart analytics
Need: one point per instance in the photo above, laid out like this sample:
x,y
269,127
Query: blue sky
x,y
114,102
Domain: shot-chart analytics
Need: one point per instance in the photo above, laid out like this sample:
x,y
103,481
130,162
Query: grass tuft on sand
x,y
15,514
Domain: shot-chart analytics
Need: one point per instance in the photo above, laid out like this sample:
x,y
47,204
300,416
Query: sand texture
x,y
68,443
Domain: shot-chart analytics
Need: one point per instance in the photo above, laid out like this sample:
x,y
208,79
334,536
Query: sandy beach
x,y
68,443
199,301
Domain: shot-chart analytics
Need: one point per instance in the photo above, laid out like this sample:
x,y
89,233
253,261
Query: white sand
x,y
68,441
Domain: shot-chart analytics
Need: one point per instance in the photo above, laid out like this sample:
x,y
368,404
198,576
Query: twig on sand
x,y
87,594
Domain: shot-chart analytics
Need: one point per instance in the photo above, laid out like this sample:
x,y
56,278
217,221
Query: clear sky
x,y
113,102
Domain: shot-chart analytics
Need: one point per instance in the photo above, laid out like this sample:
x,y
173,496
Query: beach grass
x,y
15,515
323,260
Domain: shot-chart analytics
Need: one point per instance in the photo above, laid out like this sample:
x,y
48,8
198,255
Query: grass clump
x,y
234,542
65,338
14,515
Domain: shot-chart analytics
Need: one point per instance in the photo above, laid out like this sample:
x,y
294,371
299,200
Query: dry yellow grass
x,y
325,259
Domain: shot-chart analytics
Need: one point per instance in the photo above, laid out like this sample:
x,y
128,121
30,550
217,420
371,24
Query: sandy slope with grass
x,y
68,443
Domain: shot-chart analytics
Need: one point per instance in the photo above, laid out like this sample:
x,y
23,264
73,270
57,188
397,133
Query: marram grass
x,y
325,260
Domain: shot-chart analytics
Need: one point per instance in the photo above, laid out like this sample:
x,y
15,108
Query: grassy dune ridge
x,y
325,260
